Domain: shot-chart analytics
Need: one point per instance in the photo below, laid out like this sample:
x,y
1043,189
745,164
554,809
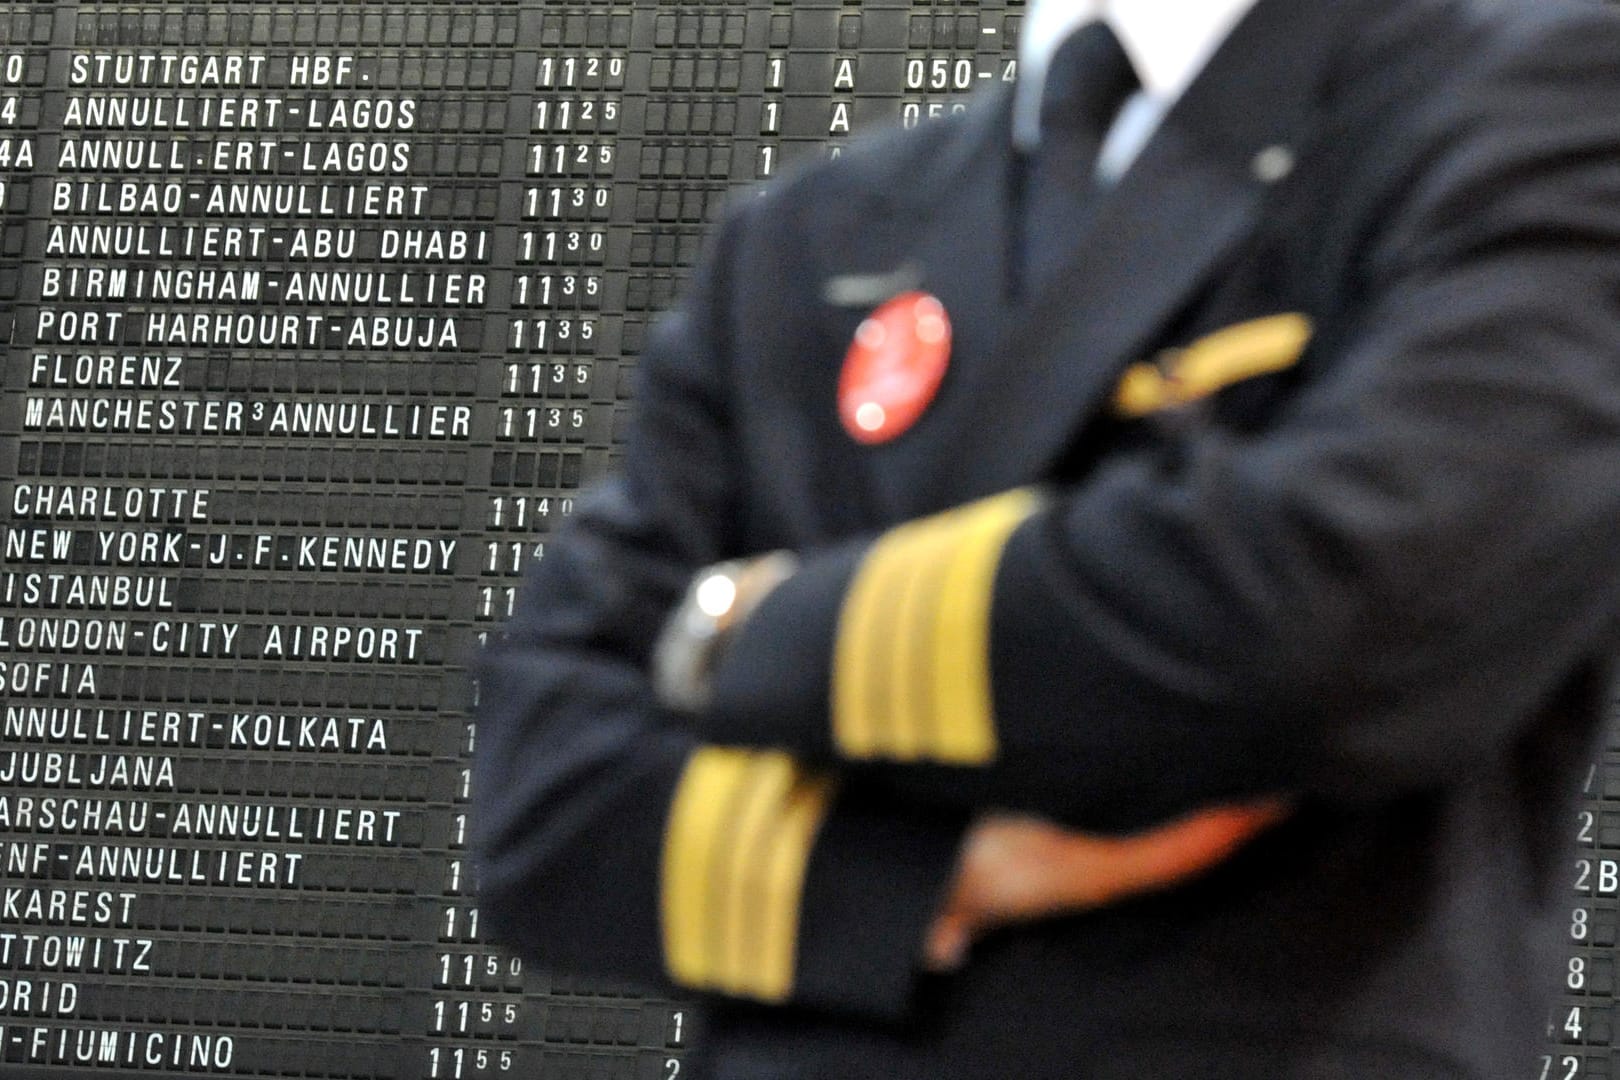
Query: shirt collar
x,y
1169,41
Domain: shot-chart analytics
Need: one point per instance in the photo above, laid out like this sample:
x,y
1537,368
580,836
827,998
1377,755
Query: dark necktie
x,y
1088,80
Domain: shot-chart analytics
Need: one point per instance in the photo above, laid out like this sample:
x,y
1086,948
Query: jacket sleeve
x,y
610,839
1376,590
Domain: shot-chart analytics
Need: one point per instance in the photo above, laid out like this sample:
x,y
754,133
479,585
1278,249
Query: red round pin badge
x,y
894,367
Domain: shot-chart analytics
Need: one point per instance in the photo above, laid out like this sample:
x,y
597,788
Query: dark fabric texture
x,y
1383,581
1088,80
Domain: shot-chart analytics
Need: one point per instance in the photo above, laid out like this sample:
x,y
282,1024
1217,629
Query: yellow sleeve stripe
x,y
907,684
740,831
1244,351
911,666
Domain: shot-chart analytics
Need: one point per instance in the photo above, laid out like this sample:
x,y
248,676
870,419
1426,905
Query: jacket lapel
x,y
939,230
1189,201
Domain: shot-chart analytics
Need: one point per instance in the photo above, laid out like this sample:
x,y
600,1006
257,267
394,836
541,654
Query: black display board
x,y
319,315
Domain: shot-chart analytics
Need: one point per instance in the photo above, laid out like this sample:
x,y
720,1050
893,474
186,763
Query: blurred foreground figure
x,y
1117,584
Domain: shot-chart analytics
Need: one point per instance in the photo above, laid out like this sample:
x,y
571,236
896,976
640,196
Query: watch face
x,y
715,593
681,656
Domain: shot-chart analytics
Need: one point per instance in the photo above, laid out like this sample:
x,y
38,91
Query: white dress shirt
x,y
1168,41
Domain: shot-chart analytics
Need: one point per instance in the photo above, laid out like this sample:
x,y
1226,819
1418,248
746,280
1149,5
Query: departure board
x,y
319,316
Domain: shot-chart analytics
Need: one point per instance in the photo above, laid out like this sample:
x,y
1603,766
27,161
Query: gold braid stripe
x,y
1213,362
738,841
911,667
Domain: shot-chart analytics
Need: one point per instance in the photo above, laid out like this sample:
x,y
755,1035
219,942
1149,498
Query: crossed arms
x,y
1377,589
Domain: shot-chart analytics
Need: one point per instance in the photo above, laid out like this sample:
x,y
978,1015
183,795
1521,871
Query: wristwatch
x,y
693,639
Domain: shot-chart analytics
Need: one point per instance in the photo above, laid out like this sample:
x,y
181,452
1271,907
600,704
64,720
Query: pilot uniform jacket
x,y
1302,477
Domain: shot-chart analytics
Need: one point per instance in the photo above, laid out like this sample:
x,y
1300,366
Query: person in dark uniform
x,y
1225,416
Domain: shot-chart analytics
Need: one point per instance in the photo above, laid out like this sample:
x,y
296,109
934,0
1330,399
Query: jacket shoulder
x,y
877,168
1454,40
